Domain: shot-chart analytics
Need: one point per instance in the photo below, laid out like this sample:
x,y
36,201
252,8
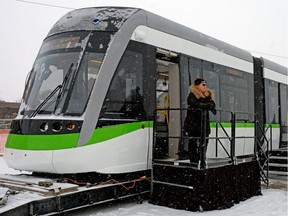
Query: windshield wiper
x,y
59,87
64,84
45,101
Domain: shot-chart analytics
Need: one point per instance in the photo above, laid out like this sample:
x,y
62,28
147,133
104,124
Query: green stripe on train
x,y
106,133
272,125
66,141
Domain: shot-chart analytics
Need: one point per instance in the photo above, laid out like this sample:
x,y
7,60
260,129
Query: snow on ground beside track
x,y
272,203
4,168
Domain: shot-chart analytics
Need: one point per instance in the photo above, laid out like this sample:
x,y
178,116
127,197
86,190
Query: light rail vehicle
x,y
101,73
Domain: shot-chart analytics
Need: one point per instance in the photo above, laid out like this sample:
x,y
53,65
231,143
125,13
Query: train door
x,y
283,96
168,122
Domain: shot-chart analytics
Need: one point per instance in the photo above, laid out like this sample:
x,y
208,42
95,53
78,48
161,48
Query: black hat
x,y
198,81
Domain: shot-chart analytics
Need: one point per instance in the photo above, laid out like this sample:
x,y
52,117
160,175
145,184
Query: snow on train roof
x,y
112,18
101,19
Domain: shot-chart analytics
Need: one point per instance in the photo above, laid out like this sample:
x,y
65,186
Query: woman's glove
x,y
212,107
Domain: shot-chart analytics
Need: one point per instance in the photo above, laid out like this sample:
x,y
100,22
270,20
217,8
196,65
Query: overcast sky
x,y
259,26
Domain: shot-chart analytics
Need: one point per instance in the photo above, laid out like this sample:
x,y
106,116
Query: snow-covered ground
x,y
273,202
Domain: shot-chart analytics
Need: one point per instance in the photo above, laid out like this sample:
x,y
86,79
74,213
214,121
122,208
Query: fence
x,y
3,138
4,131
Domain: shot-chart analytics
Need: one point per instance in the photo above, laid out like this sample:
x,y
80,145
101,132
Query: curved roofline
x,y
179,30
109,65
274,66
82,20
93,19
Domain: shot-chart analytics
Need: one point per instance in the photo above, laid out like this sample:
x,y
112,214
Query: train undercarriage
x,y
30,194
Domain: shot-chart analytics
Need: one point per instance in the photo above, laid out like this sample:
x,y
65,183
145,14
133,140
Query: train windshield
x,y
64,73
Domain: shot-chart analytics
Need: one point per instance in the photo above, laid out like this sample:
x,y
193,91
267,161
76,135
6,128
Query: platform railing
x,y
227,133
218,139
262,151
262,146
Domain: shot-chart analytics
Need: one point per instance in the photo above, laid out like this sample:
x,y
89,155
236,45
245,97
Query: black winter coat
x,y
193,120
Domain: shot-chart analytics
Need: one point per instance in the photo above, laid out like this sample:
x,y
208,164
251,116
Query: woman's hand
x,y
212,107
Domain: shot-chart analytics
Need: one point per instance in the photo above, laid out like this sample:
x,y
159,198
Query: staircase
x,y
278,164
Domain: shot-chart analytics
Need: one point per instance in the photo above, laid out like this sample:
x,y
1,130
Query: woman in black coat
x,y
200,101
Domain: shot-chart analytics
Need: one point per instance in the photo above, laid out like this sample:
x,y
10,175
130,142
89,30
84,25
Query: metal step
x,y
279,152
278,173
277,165
278,160
279,157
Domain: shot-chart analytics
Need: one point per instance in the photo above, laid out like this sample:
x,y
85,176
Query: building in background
x,y
8,111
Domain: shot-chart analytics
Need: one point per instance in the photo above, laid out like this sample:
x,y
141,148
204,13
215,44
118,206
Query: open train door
x,y
168,120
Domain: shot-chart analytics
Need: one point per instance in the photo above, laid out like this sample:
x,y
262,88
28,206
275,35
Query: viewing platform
x,y
182,185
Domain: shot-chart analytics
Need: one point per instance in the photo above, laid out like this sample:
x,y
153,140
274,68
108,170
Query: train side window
x,y
125,99
87,74
211,75
236,94
271,95
195,69
284,104
233,88
284,113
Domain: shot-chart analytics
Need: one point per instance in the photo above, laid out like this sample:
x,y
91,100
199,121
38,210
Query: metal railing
x,y
259,154
262,151
203,136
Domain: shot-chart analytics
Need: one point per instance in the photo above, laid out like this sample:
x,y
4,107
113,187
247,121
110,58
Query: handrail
x,y
218,139
203,137
262,155
234,119
236,113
